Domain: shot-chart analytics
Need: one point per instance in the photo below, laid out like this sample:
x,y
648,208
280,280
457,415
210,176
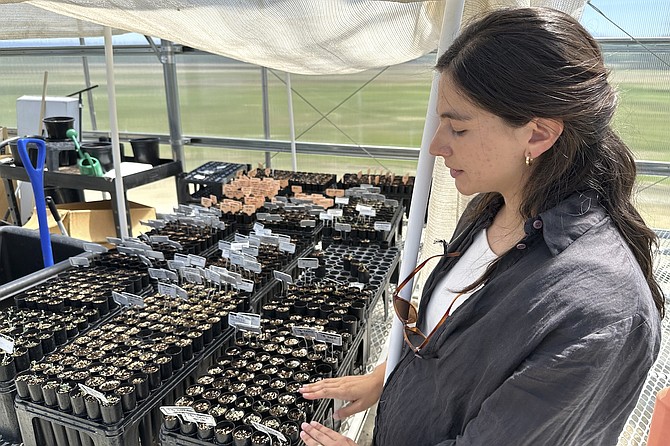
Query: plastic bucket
x,y
146,150
57,126
32,153
102,151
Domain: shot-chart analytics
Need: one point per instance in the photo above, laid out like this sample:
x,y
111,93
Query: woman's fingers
x,y
348,410
315,434
327,388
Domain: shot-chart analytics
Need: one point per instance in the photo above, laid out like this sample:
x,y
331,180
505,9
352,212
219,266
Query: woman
x,y
545,318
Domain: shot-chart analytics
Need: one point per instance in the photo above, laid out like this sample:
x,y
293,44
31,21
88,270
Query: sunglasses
x,y
408,315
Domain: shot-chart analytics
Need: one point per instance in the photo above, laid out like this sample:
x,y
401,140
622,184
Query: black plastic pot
x,y
92,407
141,382
35,388
146,150
102,151
171,422
32,153
242,435
57,126
7,367
223,432
112,411
49,389
205,432
153,372
63,397
21,382
127,394
188,428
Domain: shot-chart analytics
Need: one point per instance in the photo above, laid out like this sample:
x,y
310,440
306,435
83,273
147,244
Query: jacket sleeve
x,y
568,392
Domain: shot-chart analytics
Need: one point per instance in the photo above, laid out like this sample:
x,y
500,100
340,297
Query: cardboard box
x,y
4,153
93,220
3,201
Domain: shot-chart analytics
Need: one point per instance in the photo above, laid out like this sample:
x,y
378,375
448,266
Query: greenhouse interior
x,y
210,206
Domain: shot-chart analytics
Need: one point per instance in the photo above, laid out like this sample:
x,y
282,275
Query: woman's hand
x,y
361,391
315,434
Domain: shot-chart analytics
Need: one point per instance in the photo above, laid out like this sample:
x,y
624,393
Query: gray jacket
x,y
553,350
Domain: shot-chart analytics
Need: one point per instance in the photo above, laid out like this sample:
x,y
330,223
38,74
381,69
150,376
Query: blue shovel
x,y
36,175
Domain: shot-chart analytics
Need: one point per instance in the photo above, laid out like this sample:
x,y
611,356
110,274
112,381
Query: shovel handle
x,y
36,175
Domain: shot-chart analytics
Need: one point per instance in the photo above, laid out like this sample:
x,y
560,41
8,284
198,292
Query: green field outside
x,y
224,99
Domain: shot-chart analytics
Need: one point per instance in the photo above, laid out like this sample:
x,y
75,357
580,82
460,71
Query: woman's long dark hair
x,y
527,63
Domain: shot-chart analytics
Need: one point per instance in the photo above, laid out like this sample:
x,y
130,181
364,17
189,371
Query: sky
x,y
639,18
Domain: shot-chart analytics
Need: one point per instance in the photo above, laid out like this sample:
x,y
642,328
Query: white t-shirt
x,y
469,267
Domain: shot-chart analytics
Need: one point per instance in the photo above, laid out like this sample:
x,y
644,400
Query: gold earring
x,y
529,160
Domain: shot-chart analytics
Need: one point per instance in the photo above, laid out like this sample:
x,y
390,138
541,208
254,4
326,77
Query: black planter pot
x,y
63,397
141,382
188,428
291,431
153,372
57,126
92,407
146,150
77,402
127,395
175,353
35,388
171,422
102,151
7,367
112,411
205,432
223,432
324,370
260,439
21,382
49,392
242,435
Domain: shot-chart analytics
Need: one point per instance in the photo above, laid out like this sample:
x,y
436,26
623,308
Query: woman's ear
x,y
544,133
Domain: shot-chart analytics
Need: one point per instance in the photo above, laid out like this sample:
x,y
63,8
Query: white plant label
x,y
197,260
94,247
79,261
94,393
308,263
245,319
199,418
382,226
287,247
269,431
286,278
304,332
329,338
6,344
176,410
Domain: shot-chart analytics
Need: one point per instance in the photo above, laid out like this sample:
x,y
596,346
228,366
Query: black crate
x,y
207,180
15,240
8,421
42,425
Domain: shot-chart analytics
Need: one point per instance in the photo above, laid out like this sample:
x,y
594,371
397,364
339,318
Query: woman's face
x,y
482,152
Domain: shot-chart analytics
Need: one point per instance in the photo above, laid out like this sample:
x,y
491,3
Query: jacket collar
x,y
568,221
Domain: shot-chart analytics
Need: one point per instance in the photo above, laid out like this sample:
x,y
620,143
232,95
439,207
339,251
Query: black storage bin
x,y
21,252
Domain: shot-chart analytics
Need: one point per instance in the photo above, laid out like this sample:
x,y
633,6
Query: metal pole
x,y
453,13
266,113
122,221
172,98
89,93
291,122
